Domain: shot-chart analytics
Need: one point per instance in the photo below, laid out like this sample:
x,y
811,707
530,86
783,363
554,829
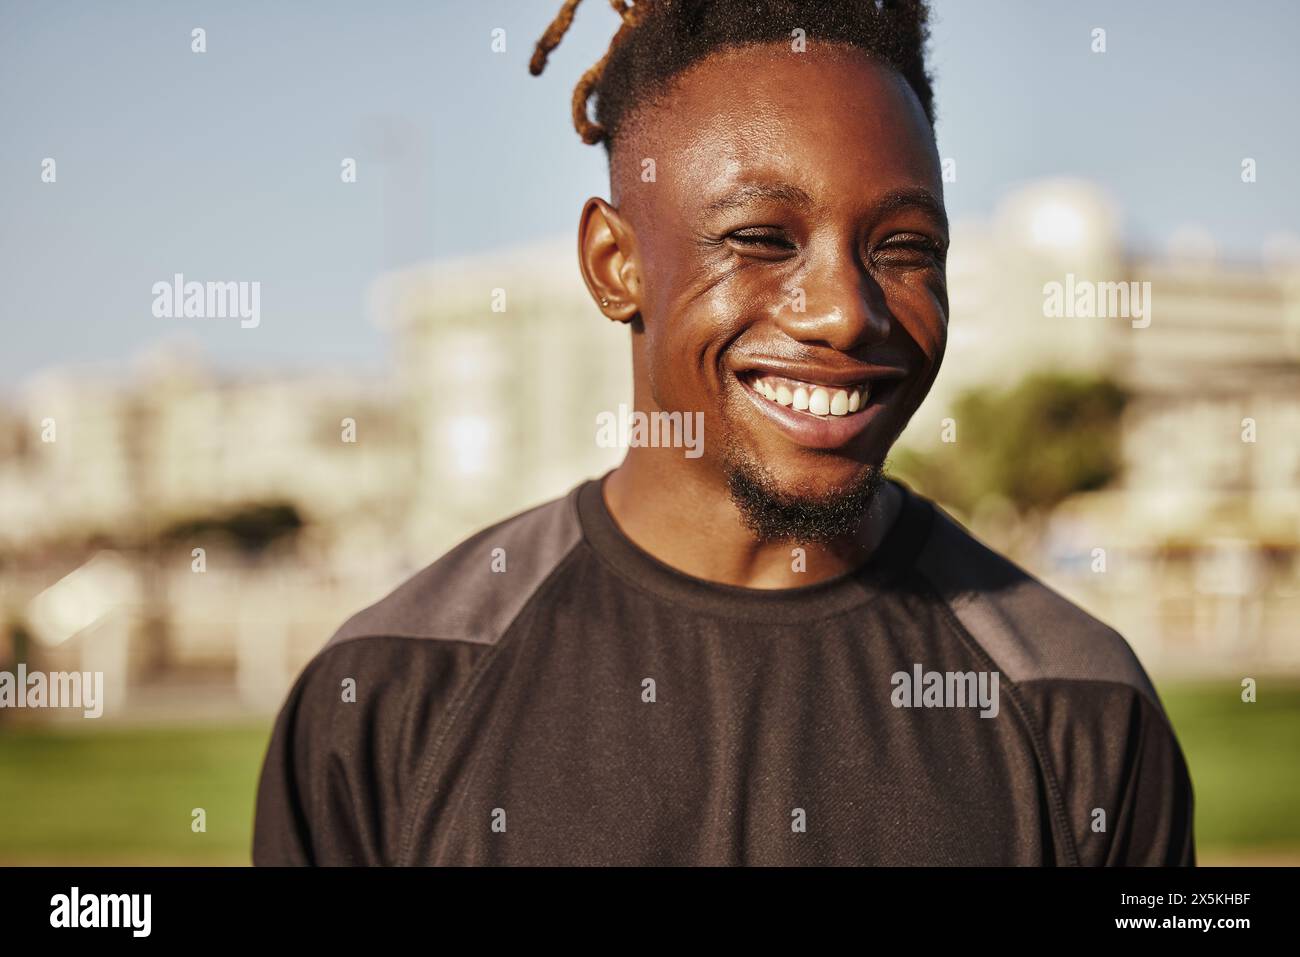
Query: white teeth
x,y
816,400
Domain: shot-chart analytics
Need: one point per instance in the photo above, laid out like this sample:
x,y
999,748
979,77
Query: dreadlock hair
x,y
659,39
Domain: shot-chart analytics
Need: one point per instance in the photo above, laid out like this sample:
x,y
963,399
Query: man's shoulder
x,y
1031,631
474,591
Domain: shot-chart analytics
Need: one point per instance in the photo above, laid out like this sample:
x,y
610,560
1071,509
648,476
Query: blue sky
x,y
225,165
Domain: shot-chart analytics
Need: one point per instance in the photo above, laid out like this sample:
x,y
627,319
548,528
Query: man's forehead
x,y
711,188
710,141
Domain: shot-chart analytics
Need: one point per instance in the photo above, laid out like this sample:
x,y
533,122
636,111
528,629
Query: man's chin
x,y
802,511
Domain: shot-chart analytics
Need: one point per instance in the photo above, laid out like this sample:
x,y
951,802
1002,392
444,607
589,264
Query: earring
x,y
604,302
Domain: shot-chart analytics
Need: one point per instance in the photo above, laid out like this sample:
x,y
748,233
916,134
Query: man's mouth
x,y
819,415
811,397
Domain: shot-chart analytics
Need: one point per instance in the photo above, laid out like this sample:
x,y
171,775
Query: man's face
x,y
792,249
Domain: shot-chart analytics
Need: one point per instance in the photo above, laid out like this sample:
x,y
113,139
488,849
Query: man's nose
x,y
843,307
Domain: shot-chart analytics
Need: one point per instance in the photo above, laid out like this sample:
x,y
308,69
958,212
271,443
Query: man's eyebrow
x,y
909,197
749,192
915,197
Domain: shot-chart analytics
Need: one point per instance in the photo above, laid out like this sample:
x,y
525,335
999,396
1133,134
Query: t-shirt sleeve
x,y
339,781
306,813
1124,783
1153,826
281,830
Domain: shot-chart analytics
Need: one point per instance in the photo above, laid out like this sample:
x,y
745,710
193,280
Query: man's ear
x,y
606,255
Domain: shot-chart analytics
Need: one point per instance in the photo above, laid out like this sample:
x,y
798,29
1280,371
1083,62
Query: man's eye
x,y
759,238
913,251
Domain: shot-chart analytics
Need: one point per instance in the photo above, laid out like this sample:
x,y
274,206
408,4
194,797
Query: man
x,y
767,653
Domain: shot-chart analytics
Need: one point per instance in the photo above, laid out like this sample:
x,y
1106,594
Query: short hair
x,y
659,39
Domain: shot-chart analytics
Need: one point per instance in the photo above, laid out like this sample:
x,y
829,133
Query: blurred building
x,y
503,363
501,369
312,495
151,463
1201,537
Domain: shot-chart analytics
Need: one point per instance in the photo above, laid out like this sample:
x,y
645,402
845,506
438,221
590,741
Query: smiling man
x,y
769,652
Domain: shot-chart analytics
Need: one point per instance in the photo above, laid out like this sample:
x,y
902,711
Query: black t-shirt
x,y
549,693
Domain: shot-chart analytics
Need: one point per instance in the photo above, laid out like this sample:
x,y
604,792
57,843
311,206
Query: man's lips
x,y
839,375
823,409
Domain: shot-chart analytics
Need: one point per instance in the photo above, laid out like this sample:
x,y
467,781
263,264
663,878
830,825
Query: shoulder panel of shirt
x,y
474,592
342,774
1123,777
1029,630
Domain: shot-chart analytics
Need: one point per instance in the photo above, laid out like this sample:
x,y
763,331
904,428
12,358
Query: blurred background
x,y
192,507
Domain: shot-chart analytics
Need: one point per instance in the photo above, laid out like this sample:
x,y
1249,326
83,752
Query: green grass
x,y
124,795
1245,765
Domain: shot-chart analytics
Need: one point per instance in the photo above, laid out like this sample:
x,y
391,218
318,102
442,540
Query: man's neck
x,y
685,517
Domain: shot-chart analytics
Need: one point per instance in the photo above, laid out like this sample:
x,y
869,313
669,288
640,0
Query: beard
x,y
774,514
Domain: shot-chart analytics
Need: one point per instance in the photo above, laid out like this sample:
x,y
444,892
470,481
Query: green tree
x,y
252,526
1048,437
